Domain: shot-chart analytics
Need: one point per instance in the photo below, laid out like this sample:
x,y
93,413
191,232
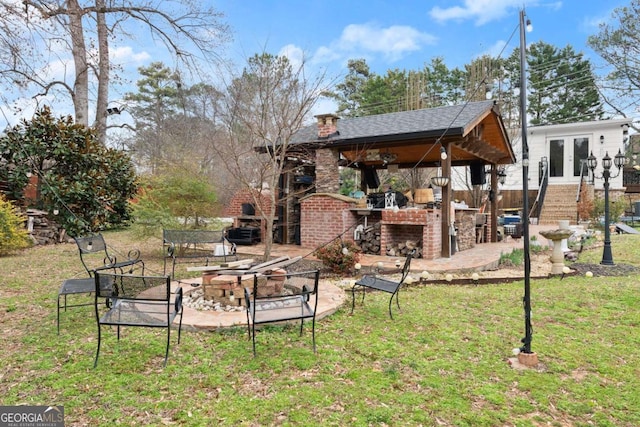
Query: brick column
x,y
327,173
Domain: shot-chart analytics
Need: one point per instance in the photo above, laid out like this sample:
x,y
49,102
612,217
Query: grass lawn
x,y
443,361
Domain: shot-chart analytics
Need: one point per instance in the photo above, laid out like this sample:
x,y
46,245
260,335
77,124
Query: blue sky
x,y
406,34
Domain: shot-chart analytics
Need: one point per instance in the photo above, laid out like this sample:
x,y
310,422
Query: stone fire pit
x,y
228,289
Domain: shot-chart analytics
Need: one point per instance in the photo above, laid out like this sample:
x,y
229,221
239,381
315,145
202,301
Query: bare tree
x,y
36,33
263,107
618,43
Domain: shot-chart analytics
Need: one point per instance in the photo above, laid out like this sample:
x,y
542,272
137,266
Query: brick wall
x,y
324,217
432,235
422,225
234,208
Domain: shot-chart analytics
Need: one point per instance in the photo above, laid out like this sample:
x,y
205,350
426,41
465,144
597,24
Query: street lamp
x,y
592,162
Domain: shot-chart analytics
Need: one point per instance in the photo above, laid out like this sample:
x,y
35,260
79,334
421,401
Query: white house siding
x,y
539,137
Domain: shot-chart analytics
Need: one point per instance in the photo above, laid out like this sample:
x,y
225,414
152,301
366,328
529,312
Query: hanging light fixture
x,y
440,181
388,158
502,176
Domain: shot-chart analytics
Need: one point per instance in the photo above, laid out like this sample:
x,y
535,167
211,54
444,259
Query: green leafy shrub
x,y
88,184
176,199
13,235
515,258
616,209
340,257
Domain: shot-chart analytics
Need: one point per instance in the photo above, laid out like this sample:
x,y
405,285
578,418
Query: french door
x,y
565,156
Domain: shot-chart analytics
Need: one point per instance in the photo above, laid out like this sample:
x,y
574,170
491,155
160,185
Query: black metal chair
x,y
136,301
93,254
380,284
282,297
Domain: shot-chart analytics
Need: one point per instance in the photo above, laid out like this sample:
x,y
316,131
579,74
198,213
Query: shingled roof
x,y
474,129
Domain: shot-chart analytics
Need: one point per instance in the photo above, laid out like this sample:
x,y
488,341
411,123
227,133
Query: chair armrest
x,y
133,255
306,293
247,297
171,249
178,300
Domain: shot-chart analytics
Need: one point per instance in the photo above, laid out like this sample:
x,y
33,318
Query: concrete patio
x,y
482,257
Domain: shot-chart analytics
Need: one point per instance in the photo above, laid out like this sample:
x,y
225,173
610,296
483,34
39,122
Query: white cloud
x,y
392,43
125,53
482,11
294,54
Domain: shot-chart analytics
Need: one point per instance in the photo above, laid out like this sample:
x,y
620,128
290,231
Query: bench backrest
x,y
180,237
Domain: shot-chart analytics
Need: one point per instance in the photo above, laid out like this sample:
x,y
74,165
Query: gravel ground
x,y
605,270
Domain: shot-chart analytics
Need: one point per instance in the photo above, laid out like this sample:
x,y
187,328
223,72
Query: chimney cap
x,y
322,117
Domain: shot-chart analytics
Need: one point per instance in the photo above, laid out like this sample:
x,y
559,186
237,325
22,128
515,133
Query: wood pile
x,y
403,248
42,230
370,240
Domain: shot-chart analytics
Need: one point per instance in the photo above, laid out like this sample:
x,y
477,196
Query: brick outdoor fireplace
x,y
326,216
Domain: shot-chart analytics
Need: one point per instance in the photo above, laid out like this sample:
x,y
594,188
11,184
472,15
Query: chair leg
x,y
58,319
301,325
180,327
253,338
248,326
166,353
95,362
313,333
391,302
353,298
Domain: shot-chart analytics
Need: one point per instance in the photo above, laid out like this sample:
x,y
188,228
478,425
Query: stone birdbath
x,y
557,256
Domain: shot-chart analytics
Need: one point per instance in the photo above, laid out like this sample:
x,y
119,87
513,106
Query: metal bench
x,y
282,297
380,284
196,245
136,301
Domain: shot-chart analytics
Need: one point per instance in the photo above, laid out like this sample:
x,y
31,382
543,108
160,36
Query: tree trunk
x,y
80,94
103,74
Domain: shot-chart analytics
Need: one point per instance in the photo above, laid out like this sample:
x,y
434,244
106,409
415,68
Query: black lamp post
x,y
526,300
592,162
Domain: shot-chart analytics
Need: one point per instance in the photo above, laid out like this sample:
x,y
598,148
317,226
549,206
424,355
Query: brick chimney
x,y
327,125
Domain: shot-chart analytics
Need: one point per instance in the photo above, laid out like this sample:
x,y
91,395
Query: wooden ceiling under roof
x,y
482,141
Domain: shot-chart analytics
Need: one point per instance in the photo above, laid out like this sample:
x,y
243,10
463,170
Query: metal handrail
x,y
543,181
583,168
